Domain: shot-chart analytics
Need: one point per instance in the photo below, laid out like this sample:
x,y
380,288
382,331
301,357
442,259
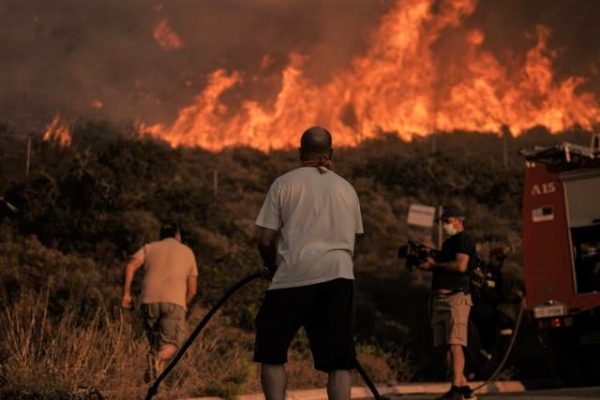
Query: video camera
x,y
415,253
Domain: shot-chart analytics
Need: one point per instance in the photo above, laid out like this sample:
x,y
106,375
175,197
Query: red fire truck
x,y
561,250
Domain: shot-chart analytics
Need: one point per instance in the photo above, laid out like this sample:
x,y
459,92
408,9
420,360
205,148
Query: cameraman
x,y
451,299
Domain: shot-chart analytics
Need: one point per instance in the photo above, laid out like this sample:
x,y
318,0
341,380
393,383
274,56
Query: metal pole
x,y
215,181
439,238
505,136
505,150
28,157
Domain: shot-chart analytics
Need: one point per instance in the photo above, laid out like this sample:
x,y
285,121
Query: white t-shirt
x,y
167,264
317,216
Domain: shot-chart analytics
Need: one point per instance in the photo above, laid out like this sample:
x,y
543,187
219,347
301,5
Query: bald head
x,y
315,143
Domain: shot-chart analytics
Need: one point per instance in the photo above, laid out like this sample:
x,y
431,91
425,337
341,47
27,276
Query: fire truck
x,y
561,253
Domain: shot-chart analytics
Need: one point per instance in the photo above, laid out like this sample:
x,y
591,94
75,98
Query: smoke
x,y
100,58
509,25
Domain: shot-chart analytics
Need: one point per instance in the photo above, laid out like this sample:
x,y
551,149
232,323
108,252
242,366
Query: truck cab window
x,y
583,209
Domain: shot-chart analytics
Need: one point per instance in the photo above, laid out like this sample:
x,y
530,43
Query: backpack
x,y
477,272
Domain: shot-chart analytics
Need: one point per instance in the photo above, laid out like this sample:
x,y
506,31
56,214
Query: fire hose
x,y
153,389
513,339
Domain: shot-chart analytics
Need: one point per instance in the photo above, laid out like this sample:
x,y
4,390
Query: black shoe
x,y
453,394
467,393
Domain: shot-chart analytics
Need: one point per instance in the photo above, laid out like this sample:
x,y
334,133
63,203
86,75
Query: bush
x,y
86,208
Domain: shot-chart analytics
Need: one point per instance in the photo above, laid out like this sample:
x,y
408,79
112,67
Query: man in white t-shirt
x,y
307,229
170,282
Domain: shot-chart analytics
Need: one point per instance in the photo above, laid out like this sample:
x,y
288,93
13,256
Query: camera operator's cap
x,y
452,211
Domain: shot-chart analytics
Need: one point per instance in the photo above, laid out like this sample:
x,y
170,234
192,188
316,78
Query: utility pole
x,y
505,135
439,232
28,157
215,182
505,151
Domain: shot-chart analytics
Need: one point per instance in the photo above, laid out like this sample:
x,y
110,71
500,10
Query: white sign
x,y
421,215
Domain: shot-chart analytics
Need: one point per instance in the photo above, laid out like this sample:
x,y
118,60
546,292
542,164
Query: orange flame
x,y
399,85
166,38
59,132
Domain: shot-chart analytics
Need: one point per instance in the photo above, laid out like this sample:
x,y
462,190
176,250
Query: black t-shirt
x,y
454,280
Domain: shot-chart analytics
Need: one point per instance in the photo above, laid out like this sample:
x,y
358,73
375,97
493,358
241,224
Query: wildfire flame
x,y
398,85
166,38
59,132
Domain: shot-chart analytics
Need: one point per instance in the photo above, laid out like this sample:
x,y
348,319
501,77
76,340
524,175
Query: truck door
x,y
582,198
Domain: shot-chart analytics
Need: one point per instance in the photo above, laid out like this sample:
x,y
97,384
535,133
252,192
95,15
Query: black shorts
x,y
326,312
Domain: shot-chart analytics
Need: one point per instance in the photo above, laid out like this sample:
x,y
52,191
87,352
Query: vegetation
x,y
82,210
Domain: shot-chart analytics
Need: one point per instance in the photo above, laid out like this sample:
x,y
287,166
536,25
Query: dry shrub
x,y
302,374
218,363
45,355
376,367
384,368
42,354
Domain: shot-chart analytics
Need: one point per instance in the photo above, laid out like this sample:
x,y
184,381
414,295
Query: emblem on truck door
x,y
544,213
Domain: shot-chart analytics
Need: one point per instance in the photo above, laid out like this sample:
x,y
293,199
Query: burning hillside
x,y
59,132
399,85
257,73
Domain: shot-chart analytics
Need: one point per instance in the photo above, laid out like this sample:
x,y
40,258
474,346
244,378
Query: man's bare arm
x,y
132,266
459,264
358,240
267,246
192,288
